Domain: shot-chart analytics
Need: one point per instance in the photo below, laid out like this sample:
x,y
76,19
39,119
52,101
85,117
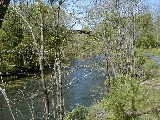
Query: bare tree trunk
x,y
57,100
8,102
41,61
59,103
133,64
57,73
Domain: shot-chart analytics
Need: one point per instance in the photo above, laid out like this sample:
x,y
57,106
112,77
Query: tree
x,y
157,30
38,29
3,8
145,30
17,55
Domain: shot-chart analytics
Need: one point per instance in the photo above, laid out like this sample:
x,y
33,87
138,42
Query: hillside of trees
x,y
40,35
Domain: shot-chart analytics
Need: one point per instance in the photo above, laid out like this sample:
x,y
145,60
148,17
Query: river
x,y
154,58
86,88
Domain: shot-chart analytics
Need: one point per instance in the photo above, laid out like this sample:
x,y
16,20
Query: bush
x,y
127,99
79,113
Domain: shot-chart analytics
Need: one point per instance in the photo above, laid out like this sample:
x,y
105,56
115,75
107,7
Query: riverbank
x,y
121,97
129,98
146,98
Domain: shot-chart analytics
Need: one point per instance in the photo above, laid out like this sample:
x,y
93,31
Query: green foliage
x,y
140,59
17,50
147,41
126,97
83,46
122,96
151,68
78,113
145,30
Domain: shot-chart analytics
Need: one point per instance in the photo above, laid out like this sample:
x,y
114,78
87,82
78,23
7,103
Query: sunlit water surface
x,y
87,87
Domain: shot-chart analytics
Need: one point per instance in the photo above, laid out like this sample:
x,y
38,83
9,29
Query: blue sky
x,y
153,1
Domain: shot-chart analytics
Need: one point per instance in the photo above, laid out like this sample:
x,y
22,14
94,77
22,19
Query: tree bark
x,y
41,61
59,104
3,8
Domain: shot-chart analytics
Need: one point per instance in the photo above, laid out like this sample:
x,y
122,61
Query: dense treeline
x,y
146,30
17,51
18,54
34,36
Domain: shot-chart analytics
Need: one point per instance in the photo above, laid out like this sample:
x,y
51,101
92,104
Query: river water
x,y
154,58
87,87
